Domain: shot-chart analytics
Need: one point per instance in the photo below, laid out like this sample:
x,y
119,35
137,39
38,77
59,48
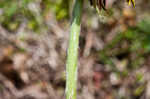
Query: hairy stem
x,y
72,57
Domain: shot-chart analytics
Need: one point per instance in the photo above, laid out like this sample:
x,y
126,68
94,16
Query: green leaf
x,y
11,9
144,25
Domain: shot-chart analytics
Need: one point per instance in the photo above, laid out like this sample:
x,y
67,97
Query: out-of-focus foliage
x,y
60,7
12,12
138,40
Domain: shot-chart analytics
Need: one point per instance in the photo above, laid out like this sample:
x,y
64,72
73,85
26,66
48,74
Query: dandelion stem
x,y
72,57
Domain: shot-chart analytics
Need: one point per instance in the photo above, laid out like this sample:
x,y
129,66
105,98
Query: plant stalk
x,y
72,55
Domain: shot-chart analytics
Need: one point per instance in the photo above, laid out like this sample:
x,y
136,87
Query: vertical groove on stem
x,y
72,55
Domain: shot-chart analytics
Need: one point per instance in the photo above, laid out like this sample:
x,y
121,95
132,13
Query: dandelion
x,y
131,1
101,4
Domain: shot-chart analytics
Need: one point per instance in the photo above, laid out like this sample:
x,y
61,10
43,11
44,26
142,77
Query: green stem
x,y
71,66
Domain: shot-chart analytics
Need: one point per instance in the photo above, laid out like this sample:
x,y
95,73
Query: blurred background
x,y
114,50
